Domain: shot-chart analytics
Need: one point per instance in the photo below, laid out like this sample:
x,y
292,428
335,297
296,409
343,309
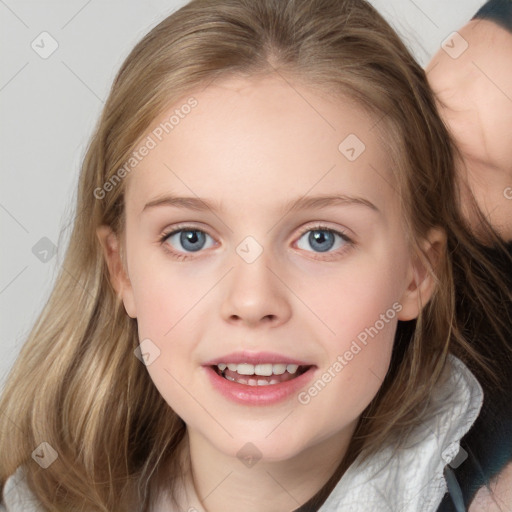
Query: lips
x,y
258,378
257,393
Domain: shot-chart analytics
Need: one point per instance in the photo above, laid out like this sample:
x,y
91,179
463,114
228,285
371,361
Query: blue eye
x,y
190,239
184,240
324,239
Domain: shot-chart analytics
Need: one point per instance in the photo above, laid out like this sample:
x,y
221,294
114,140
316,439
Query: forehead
x,y
254,139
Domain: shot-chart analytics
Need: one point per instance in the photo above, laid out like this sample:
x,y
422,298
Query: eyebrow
x,y
304,202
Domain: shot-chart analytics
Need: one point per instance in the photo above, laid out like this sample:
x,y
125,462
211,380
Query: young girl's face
x,y
253,273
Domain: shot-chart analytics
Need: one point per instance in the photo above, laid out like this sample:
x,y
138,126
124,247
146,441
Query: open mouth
x,y
260,375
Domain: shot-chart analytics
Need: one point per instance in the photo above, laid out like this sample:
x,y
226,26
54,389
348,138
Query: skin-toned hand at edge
x,y
475,93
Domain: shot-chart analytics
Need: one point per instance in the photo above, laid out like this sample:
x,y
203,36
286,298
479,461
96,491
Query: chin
x,y
258,448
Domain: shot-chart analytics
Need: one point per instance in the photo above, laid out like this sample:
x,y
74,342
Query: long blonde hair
x,y
77,384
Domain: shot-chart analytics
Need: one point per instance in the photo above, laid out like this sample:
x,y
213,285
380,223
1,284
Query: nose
x,y
256,294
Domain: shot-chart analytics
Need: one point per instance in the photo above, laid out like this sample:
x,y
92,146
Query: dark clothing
x,y
489,441
499,11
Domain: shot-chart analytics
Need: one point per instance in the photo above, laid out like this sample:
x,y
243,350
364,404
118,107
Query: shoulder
x,y
498,498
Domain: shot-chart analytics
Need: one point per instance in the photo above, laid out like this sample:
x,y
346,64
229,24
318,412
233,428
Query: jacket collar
x,y
412,478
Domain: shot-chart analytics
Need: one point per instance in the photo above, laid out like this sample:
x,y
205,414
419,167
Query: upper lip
x,y
255,358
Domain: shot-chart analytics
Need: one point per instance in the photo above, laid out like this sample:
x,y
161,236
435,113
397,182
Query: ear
x,y
118,276
421,281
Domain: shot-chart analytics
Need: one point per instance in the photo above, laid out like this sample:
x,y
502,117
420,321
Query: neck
x,y
215,479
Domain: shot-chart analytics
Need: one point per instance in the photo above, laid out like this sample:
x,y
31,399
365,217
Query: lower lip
x,y
258,395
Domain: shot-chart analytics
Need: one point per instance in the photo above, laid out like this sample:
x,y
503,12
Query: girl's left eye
x,y
321,239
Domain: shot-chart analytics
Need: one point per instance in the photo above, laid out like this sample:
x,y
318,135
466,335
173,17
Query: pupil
x,y
188,240
317,240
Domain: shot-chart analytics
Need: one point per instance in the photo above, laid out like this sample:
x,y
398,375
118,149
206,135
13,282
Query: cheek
x,y
165,316
356,312
353,297
168,303
165,292
356,361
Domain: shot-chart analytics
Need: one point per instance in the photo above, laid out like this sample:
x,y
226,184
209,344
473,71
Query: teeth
x,y
244,369
292,368
278,369
265,370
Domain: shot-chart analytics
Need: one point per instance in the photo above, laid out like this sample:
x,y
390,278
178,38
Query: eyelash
x,y
184,256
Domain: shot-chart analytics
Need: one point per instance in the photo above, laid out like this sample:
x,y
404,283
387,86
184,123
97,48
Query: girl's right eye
x,y
189,238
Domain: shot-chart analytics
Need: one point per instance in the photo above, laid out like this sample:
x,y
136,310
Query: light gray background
x,y
49,107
